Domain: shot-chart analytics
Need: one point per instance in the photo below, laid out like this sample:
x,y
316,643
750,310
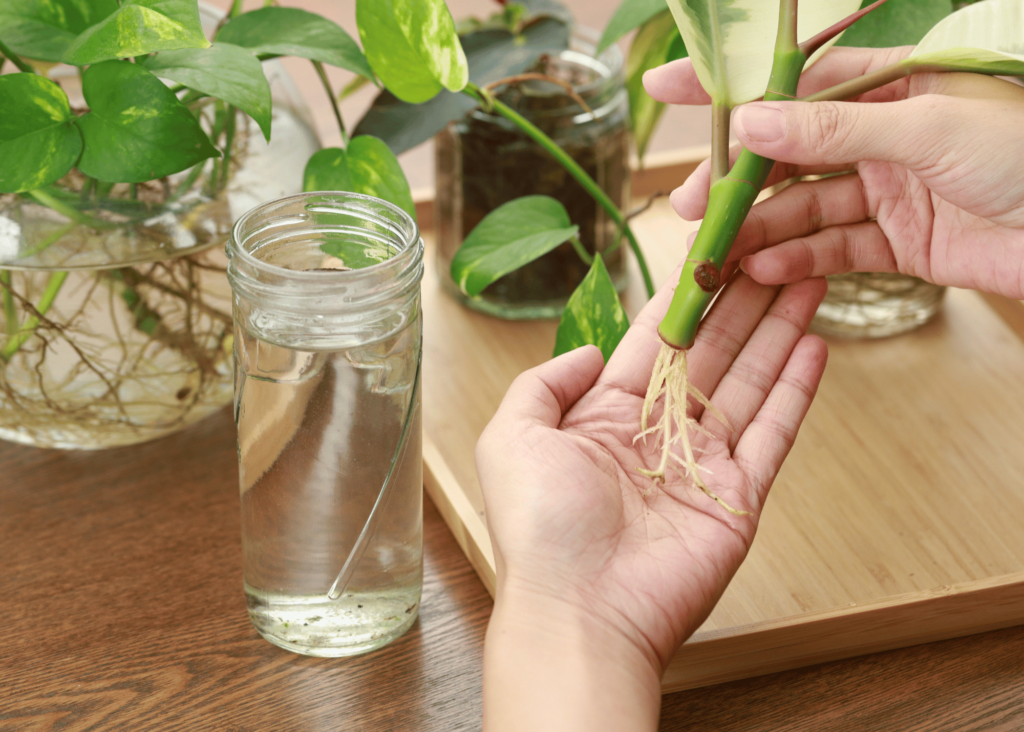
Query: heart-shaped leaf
x,y
987,38
594,315
510,236
629,15
139,27
38,139
732,42
491,54
412,46
896,23
45,30
136,129
224,71
656,43
277,31
367,167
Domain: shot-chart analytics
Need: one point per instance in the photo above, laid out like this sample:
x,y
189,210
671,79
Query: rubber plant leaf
x,y
656,43
38,139
987,38
491,54
896,23
731,42
594,315
630,15
366,167
45,30
274,31
139,27
136,129
412,47
510,236
224,71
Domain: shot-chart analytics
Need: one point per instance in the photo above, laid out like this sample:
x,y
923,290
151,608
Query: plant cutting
x,y
128,136
735,62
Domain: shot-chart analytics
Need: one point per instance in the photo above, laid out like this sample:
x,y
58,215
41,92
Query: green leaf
x,y
593,316
896,23
629,15
355,254
491,54
44,29
38,139
139,27
732,42
367,167
412,47
987,38
510,236
136,129
224,71
293,32
657,42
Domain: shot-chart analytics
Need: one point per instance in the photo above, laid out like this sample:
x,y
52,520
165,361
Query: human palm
x,y
570,515
937,192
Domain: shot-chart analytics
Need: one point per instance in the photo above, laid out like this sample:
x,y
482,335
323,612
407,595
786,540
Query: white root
x,y
670,382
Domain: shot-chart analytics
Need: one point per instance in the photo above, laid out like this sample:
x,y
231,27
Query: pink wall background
x,y
679,128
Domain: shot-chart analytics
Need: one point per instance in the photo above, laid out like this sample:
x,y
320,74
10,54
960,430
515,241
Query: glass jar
x,y
327,371
483,161
876,305
116,318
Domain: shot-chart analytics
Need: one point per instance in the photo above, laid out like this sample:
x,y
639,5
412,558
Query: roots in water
x,y
670,380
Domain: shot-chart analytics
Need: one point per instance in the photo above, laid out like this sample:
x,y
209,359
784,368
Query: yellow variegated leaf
x,y
987,37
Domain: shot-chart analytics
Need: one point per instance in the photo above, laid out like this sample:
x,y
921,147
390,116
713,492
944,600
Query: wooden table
x,y
121,599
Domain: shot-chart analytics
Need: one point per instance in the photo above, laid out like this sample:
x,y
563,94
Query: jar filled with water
x,y
327,348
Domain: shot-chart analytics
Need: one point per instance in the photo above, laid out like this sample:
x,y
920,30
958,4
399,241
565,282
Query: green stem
x,y
187,182
10,315
334,102
236,8
581,250
729,202
25,332
573,168
45,243
15,59
77,216
229,138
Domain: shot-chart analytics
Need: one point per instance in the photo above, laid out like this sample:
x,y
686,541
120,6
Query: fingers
x,y
859,247
769,437
831,133
675,83
753,374
544,393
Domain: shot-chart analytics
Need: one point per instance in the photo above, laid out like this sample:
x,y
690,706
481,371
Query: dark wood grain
x,y
122,608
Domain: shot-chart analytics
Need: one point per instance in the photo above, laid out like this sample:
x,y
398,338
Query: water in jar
x,y
318,432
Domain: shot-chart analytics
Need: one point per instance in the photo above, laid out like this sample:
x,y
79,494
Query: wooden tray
x,y
897,519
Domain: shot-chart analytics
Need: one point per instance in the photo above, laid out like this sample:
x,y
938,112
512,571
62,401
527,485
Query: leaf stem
x,y
45,243
77,216
581,250
25,332
572,167
15,59
334,102
236,8
229,138
10,315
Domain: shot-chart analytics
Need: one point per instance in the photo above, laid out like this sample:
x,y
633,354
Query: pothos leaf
x,y
629,15
139,27
412,47
510,236
657,42
136,129
294,32
224,71
367,167
594,315
45,30
38,139
732,42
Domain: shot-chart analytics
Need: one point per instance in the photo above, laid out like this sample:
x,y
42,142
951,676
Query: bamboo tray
x,y
898,518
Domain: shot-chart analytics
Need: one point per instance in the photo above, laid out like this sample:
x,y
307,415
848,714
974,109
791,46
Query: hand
x,y
938,191
601,574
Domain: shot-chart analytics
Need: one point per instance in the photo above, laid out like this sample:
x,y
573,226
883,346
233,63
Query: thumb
x,y
545,393
825,133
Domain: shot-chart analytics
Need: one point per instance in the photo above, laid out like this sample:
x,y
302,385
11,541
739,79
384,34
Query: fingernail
x,y
743,265
763,124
